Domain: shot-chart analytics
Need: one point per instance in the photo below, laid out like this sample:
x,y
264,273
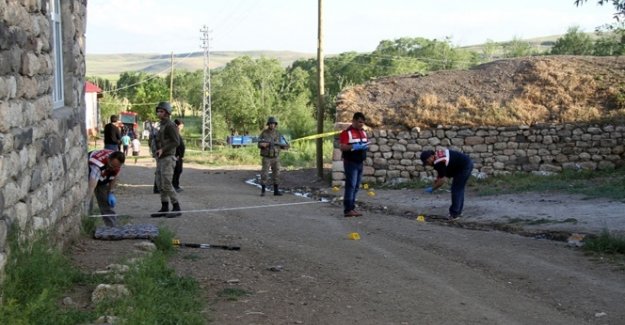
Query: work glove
x,y
359,146
428,189
112,200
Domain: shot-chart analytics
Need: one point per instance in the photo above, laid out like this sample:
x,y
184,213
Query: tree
x,y
490,49
143,91
517,47
619,6
574,42
613,40
609,44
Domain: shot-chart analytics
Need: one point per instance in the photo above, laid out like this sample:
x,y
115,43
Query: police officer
x,y
270,143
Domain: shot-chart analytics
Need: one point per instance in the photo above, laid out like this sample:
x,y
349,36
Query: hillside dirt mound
x,y
520,91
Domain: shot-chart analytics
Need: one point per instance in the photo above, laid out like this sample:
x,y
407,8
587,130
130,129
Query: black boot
x,y
275,190
174,210
162,212
262,190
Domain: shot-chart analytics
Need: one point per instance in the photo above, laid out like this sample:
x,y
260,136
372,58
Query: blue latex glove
x,y
112,200
359,146
428,190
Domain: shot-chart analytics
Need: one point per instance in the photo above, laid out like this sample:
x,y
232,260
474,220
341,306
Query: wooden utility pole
x,y
171,81
320,89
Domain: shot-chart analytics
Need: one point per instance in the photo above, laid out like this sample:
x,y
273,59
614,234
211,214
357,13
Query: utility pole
x,y
171,80
207,123
320,89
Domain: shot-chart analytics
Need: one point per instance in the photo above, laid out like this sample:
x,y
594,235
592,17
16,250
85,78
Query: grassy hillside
x,y
111,65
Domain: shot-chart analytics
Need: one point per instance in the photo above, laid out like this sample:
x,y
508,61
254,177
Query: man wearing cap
x,y
104,167
354,145
450,164
167,141
270,143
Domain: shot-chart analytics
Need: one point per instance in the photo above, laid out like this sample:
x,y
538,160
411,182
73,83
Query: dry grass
x,y
523,91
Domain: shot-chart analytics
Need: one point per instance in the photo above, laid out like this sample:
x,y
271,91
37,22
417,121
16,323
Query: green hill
x,y
111,65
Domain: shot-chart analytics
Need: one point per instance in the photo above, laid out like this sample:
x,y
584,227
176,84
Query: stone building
x,y
42,134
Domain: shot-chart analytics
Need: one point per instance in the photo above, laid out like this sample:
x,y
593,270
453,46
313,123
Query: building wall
x,y
394,155
42,149
91,114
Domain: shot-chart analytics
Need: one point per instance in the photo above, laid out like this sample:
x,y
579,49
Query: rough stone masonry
x,y
42,148
394,155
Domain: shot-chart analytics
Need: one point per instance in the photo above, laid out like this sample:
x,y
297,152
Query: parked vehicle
x,y
130,120
241,140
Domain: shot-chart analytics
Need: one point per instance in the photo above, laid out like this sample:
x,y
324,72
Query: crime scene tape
x,y
219,209
316,136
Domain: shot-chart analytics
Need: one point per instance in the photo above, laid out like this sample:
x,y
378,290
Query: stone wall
x,y
394,155
42,149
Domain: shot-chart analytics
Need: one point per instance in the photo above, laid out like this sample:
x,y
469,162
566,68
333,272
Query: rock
x,y
276,268
145,246
108,291
107,320
119,268
68,301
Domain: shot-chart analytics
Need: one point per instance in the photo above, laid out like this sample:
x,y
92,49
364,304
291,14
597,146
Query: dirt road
x,y
297,266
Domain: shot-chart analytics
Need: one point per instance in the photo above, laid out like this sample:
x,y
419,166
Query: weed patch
x,y
158,296
605,243
607,184
165,240
37,275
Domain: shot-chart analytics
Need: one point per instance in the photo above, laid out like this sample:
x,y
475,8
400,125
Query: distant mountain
x,y
111,65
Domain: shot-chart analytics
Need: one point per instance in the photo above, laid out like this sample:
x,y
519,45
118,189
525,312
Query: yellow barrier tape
x,y
316,136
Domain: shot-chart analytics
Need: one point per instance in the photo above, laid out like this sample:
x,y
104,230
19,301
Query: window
x,y
57,48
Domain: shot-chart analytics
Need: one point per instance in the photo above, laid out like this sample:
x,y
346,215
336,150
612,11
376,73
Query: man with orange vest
x,y
354,145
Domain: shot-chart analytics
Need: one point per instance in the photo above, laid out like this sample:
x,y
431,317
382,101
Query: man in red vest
x,y
104,167
354,146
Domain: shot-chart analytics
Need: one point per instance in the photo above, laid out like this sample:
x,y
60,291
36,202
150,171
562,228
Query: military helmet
x,y
272,119
164,105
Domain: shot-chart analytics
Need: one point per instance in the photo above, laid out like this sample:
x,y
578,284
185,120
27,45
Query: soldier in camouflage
x,y
270,143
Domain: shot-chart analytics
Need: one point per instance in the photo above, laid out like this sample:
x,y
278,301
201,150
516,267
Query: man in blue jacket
x,y
450,164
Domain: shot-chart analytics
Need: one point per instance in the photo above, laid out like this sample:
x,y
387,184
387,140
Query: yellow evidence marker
x,y
353,236
421,218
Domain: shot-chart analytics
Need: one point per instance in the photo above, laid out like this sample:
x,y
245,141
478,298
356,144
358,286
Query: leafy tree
x,y
490,49
516,48
110,105
574,42
103,83
619,6
143,91
613,40
612,43
187,90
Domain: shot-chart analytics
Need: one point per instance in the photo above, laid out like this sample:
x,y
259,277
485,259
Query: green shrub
x,y
157,296
164,240
606,243
37,275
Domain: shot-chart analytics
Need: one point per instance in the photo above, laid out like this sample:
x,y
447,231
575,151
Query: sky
x,y
166,26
